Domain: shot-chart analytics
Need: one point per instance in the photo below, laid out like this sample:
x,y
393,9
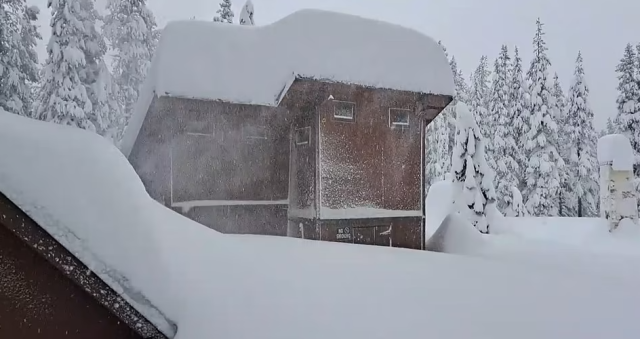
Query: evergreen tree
x,y
18,59
516,208
130,28
438,156
71,89
475,195
566,198
629,100
480,90
246,16
503,146
611,127
582,139
519,112
461,95
225,14
544,160
29,57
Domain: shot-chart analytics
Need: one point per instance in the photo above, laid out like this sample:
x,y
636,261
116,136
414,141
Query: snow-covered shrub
x,y
474,192
516,207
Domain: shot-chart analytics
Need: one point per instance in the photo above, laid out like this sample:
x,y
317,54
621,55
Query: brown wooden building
x,y
315,145
46,292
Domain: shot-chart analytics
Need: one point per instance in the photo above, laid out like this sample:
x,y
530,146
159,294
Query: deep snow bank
x,y
82,190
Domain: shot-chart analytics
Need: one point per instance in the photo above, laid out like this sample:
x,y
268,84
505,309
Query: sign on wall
x,y
343,233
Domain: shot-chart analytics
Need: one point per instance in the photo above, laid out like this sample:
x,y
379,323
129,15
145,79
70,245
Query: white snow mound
x,y
455,235
615,150
84,192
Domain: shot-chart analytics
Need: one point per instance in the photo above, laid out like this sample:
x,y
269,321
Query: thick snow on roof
x,y
615,149
256,64
84,192
253,64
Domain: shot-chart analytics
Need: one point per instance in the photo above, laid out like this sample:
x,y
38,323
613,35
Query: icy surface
x,y
615,149
84,192
255,64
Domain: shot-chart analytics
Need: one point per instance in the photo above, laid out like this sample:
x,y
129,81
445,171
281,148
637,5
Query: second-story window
x,y
345,111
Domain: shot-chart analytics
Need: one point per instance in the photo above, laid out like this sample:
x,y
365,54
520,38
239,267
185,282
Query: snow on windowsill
x,y
188,205
365,213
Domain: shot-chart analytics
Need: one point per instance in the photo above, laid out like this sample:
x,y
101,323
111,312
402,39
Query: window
x,y
255,132
195,127
344,110
302,136
399,118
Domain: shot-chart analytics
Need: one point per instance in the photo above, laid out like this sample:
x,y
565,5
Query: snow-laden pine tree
x,y
246,16
519,100
129,27
611,127
516,208
29,56
503,147
461,95
225,14
544,160
438,154
71,92
480,92
18,58
566,197
582,167
629,100
474,193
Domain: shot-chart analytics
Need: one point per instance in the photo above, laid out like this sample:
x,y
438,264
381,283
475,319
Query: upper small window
x,y
198,128
255,132
344,110
302,136
399,117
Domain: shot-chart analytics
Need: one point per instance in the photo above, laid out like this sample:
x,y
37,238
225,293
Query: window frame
x,y
400,125
248,137
297,132
343,118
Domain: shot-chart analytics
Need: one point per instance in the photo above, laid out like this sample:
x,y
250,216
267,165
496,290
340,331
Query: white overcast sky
x,y
469,29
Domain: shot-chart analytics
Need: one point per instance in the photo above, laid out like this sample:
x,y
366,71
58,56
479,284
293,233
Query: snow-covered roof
x,y
615,150
235,63
256,64
85,194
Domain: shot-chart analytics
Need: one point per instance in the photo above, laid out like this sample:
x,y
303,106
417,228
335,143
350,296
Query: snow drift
x,y
83,192
255,65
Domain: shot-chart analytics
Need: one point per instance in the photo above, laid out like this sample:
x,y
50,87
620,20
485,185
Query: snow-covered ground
x,y
83,191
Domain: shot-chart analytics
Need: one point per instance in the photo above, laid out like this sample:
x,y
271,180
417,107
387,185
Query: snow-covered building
x,y
316,121
618,198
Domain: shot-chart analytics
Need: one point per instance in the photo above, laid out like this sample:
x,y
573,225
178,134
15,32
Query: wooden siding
x,y
364,161
193,150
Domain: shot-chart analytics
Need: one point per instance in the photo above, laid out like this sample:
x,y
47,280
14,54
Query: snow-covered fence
x,y
617,189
